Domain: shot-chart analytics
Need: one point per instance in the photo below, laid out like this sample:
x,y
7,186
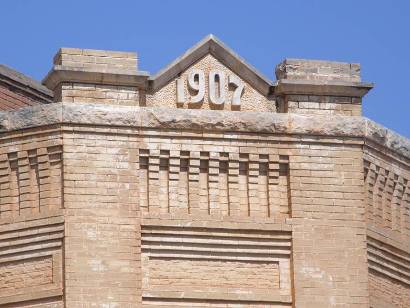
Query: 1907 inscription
x,y
216,88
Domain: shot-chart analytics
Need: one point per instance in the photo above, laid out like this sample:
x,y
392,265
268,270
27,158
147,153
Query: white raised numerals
x,y
236,82
216,87
196,82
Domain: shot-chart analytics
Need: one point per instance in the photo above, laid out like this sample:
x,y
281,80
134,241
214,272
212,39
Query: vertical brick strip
x,y
204,183
387,199
55,163
405,209
174,169
233,183
263,184
143,160
223,184
194,189
273,185
183,184
254,205
153,183
243,184
14,185
5,198
34,181
23,175
44,175
284,186
164,181
214,206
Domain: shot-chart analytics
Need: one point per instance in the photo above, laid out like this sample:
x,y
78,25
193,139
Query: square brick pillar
x,y
320,87
96,76
102,219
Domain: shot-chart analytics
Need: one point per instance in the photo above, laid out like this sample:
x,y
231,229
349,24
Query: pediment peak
x,y
210,44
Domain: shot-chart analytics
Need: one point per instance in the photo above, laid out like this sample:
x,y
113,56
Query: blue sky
x,y
373,33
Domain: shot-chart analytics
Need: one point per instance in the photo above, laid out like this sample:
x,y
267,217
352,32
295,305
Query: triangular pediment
x,y
211,45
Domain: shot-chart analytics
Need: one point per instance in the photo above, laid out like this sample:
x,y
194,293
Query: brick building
x,y
205,185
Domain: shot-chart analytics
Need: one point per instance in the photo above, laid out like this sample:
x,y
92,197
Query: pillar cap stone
x,y
318,77
96,67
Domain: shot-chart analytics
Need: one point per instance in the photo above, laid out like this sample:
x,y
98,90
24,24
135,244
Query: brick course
x,y
108,199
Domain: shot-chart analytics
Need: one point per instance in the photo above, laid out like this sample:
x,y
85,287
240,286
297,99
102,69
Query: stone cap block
x,y
97,59
301,69
204,121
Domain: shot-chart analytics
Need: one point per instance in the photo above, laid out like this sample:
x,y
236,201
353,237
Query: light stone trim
x,y
211,44
204,120
322,87
110,76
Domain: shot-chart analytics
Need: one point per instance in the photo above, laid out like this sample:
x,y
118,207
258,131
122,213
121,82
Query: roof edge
x,y
211,44
24,82
202,120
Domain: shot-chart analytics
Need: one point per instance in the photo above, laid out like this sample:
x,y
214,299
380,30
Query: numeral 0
x,y
216,86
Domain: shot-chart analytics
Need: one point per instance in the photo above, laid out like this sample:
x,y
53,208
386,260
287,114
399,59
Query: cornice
x,y
204,120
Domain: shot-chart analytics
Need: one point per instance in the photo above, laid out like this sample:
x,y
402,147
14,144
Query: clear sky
x,y
372,32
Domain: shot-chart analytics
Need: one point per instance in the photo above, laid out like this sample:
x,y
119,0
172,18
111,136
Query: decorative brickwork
x,y
206,185
215,263
31,261
213,183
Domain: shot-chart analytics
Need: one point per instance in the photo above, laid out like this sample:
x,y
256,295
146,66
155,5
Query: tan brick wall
x,y
212,179
234,261
30,175
97,91
24,273
102,94
389,272
329,231
387,292
388,222
31,261
31,223
388,194
103,184
323,105
213,274
102,259
96,59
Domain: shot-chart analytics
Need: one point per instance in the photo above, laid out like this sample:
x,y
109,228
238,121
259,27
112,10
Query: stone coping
x,y
110,76
322,87
204,120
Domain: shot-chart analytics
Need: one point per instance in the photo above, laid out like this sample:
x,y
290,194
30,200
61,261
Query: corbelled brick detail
x,y
281,195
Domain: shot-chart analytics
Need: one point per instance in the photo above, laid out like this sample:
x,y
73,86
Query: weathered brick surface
x,y
24,273
105,94
324,105
388,219
96,59
106,205
329,231
30,175
102,259
318,70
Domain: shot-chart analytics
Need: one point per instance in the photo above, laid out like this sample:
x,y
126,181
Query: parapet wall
x,y
204,185
151,171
